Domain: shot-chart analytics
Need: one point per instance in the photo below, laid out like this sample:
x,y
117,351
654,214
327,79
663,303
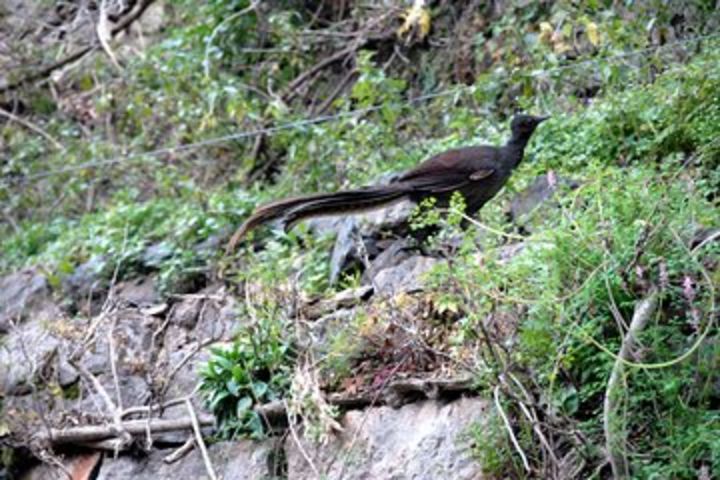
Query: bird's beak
x,y
542,119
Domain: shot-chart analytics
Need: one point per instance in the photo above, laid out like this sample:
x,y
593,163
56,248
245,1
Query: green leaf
x,y
259,389
243,406
232,386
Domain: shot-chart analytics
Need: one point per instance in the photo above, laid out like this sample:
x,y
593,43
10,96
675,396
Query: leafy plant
x,y
254,370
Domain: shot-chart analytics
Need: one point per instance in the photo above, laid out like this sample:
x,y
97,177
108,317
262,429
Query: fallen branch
x,y
291,425
115,412
508,427
32,127
104,35
294,85
180,452
614,435
94,433
199,440
114,445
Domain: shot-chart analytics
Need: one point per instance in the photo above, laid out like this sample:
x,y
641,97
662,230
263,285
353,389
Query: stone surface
x,y
420,441
350,230
155,254
390,256
140,292
136,350
185,314
406,277
87,281
345,299
541,190
320,333
23,353
231,460
20,292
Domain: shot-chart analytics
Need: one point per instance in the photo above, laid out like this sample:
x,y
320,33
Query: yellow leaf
x,y
561,47
546,31
593,33
415,16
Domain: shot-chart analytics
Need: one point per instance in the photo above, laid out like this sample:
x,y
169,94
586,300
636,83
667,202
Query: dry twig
x,y
199,439
614,435
180,452
31,126
93,433
104,34
508,427
291,425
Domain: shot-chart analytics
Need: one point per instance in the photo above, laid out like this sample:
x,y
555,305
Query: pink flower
x,y
688,289
552,179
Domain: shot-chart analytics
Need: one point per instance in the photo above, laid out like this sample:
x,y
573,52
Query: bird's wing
x,y
480,174
451,170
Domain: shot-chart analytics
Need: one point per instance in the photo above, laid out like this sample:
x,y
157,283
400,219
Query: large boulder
x,y
21,292
420,441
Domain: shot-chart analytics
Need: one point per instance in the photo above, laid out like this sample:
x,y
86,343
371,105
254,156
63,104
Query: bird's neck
x,y
515,148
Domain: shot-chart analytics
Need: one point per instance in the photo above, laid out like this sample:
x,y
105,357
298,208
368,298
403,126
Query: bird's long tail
x,y
295,209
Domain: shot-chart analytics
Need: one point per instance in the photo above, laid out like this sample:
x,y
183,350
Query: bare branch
x,y
180,452
92,433
104,34
614,435
508,427
31,126
199,439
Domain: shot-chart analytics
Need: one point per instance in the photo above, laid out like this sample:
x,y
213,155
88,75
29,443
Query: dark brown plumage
x,y
476,172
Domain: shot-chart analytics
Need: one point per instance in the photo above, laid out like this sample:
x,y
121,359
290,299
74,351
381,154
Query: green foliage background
x,y
643,146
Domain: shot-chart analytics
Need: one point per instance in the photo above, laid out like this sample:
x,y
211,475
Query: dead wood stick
x,y
109,444
113,410
180,452
614,433
307,74
508,427
342,84
92,433
104,35
199,440
31,126
291,425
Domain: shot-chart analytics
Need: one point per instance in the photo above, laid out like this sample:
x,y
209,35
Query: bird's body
x,y
478,173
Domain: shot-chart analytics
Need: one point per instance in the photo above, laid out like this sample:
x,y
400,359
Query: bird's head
x,y
524,125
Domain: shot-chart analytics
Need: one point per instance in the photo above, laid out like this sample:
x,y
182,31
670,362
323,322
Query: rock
x,y
88,280
209,314
406,277
23,353
420,441
345,299
320,333
538,192
231,460
344,249
154,255
391,256
140,292
136,358
20,292
214,243
510,251
185,314
349,230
